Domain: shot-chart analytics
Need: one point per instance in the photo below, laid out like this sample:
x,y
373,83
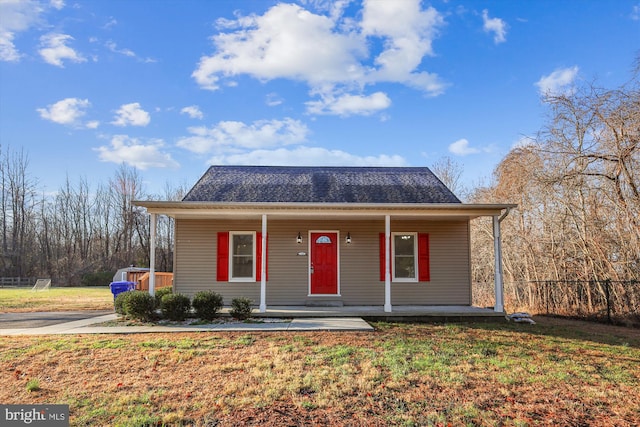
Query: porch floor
x,y
400,312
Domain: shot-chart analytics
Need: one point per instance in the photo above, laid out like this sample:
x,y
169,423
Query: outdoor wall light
x,y
348,238
299,238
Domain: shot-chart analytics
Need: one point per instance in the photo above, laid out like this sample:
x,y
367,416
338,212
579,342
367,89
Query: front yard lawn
x,y
17,300
554,373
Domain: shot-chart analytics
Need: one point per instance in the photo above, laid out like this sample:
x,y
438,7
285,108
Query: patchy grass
x,y
18,300
33,385
556,372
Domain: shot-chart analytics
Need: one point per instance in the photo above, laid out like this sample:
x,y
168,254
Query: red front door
x,y
324,263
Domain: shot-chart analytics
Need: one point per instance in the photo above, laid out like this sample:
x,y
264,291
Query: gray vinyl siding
x,y
450,264
195,260
288,278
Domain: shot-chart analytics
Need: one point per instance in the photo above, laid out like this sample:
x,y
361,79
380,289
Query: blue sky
x,y
171,87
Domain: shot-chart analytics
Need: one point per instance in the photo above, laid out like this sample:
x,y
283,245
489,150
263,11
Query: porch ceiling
x,y
325,211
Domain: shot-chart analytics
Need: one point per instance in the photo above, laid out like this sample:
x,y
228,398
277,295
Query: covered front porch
x,y
357,229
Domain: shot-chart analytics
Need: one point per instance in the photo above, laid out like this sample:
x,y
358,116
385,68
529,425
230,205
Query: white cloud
x,y
271,142
67,112
347,105
230,136
17,16
309,156
286,42
407,33
124,149
558,82
193,111
273,99
111,23
331,54
461,148
496,26
54,49
57,4
131,115
8,51
635,12
114,48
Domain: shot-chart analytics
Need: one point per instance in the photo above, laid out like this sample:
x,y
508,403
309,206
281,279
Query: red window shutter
x,y
382,257
223,257
259,258
424,274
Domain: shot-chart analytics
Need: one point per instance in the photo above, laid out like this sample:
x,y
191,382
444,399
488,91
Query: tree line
x,y
80,235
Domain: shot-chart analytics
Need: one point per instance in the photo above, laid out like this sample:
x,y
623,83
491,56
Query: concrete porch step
x,y
324,303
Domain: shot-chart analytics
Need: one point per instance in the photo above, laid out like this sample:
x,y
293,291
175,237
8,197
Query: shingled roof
x,y
288,184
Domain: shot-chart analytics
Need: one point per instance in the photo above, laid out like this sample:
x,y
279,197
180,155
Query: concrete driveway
x,y
41,319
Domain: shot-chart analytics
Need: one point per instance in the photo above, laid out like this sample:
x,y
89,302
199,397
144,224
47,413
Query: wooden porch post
x,y
497,252
263,266
387,258
152,255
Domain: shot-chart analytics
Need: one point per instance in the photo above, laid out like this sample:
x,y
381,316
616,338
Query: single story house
x,y
351,236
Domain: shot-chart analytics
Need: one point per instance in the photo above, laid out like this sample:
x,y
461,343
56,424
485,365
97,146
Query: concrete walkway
x,y
87,326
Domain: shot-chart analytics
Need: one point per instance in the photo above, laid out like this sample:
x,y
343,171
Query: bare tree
x,y
126,187
4,208
578,196
18,208
450,173
165,229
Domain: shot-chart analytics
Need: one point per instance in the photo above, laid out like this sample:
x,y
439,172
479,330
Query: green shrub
x,y
118,303
175,306
139,305
240,308
207,304
162,292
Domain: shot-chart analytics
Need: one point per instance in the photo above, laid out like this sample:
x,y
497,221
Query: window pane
x,y
242,244
242,256
404,244
404,259
242,266
405,267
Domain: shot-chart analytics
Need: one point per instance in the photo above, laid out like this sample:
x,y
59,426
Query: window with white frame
x,y
404,255
242,255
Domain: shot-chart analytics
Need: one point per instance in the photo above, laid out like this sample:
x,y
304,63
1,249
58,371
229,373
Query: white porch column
x,y
497,255
263,267
387,258
152,255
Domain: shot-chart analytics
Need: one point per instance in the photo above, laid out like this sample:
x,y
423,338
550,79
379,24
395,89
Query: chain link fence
x,y
611,301
608,300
